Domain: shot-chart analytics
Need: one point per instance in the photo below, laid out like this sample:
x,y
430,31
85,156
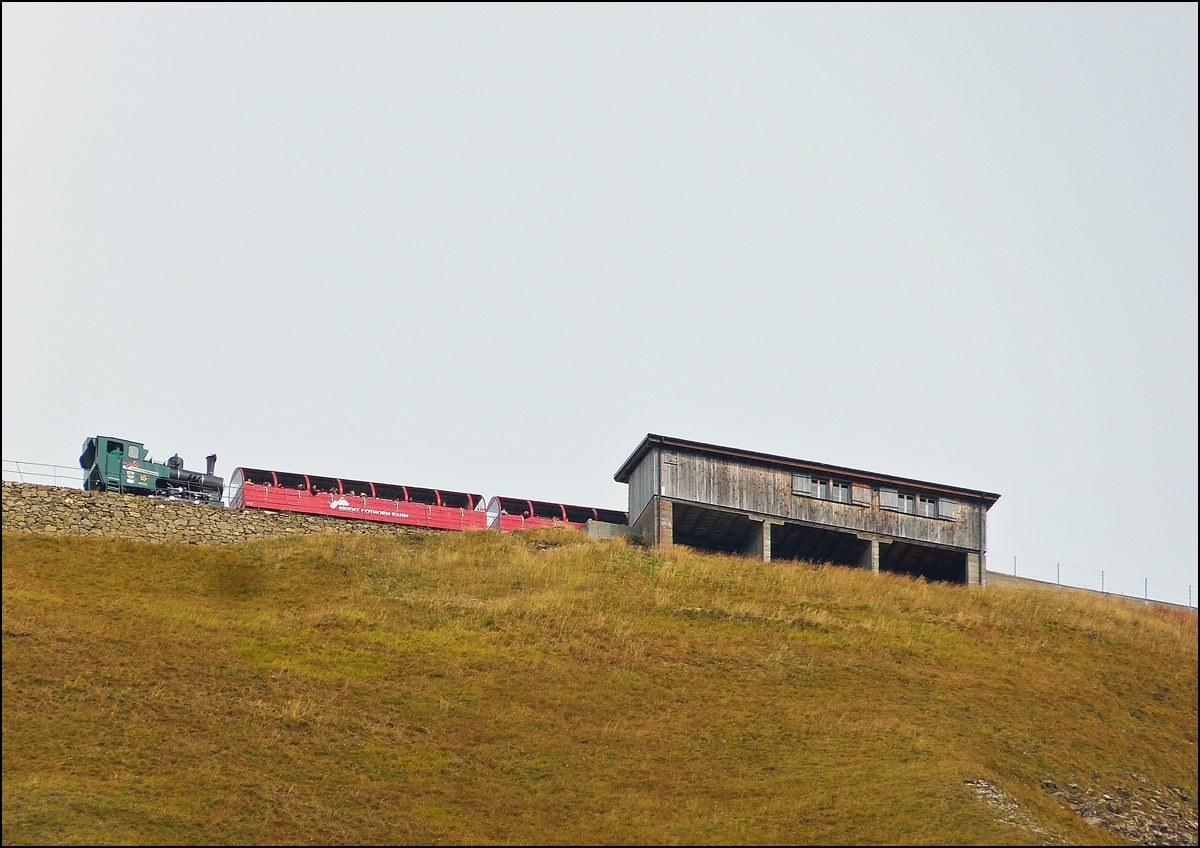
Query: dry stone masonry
x,y
57,511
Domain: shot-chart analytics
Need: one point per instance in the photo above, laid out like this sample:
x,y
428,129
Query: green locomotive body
x,y
119,465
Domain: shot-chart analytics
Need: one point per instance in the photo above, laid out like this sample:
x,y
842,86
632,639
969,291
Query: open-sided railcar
x,y
506,514
256,488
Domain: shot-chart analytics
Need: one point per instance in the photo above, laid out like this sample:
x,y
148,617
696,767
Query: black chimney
x,y
211,459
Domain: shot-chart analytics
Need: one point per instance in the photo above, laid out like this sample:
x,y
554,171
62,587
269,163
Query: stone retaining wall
x,y
55,511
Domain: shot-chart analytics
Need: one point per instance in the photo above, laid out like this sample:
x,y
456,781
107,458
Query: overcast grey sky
x,y
490,248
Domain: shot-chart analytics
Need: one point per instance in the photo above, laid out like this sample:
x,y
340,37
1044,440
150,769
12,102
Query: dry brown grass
x,y
543,688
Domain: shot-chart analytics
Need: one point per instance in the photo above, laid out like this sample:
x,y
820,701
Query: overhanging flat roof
x,y
623,474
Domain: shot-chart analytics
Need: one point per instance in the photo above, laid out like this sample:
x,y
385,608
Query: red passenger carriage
x,y
438,509
255,488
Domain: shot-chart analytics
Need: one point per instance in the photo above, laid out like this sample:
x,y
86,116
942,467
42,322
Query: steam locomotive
x,y
119,465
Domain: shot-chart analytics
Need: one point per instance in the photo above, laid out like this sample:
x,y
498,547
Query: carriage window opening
x,y
580,514
292,481
324,485
456,500
258,478
388,492
547,510
356,487
513,506
612,516
422,496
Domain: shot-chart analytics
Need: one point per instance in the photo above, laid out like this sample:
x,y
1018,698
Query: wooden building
x,y
738,501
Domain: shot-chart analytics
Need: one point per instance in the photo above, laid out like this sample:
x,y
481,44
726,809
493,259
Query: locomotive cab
x,y
104,459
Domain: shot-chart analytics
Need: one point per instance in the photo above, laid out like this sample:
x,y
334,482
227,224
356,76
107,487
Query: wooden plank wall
x,y
764,490
643,484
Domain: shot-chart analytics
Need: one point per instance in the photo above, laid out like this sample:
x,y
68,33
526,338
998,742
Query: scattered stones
x,y
1008,811
1142,813
57,511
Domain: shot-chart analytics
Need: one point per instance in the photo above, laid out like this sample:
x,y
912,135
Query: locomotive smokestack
x,y
211,459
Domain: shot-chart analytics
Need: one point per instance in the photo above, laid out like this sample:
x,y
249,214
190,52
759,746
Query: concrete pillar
x,y
664,535
870,556
976,576
758,545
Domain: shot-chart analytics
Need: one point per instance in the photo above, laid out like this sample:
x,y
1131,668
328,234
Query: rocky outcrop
x,y
1138,810
57,511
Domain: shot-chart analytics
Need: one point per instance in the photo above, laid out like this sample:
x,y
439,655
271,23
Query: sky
x,y
490,248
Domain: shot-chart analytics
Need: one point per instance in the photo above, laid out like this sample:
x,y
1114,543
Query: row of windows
x,y
889,499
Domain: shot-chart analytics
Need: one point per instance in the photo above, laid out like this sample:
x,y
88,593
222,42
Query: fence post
x,y
1147,588
1014,566
1101,582
1058,573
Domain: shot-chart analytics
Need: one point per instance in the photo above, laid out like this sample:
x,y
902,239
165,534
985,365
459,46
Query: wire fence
x,y
1028,568
40,472
1096,580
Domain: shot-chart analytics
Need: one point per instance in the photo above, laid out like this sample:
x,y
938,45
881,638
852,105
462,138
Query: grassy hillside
x,y
543,688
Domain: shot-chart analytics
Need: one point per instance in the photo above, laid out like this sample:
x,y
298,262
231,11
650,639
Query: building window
x,y
918,505
826,489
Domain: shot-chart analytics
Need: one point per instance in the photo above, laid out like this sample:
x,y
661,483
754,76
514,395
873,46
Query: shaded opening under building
x,y
924,561
726,531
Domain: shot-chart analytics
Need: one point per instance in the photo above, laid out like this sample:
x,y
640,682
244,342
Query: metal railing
x,y
1092,579
40,472
1028,568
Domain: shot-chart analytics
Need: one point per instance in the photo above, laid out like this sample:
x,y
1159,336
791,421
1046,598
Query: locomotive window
x,y
422,496
116,447
580,514
291,481
457,500
390,493
547,510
